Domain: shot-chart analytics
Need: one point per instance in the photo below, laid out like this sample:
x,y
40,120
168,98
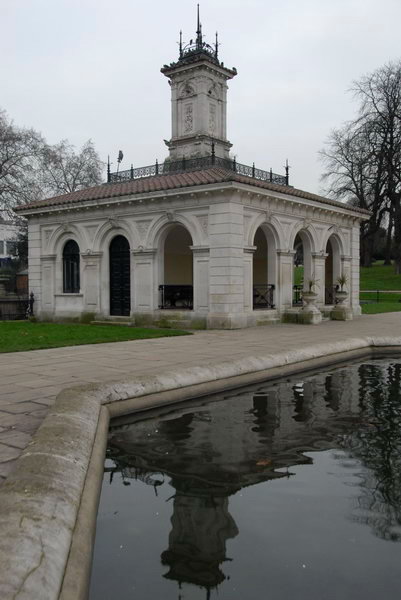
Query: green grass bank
x,y
16,336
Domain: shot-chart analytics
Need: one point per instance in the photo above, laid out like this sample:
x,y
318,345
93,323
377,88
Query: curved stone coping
x,y
41,499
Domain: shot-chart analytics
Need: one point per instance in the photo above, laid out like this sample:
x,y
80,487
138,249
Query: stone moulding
x,y
49,502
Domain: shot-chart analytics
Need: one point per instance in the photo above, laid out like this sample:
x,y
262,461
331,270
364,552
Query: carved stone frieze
x,y
142,227
204,223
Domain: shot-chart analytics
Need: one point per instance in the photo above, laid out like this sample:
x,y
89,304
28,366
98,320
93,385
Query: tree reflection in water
x,y
211,452
377,444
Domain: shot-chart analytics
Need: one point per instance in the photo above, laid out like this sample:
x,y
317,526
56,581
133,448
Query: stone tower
x,y
198,83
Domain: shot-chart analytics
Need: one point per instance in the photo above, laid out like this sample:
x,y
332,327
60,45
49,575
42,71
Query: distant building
x,y
198,239
8,240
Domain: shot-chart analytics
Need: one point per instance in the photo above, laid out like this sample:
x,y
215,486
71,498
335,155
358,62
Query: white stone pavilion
x,y
198,240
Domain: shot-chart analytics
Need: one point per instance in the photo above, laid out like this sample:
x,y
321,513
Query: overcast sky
x,y
82,69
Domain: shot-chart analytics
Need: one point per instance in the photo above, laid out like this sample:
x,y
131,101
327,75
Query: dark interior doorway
x,y
120,277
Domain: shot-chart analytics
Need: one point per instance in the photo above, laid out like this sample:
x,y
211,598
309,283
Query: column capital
x,y
48,257
141,251
200,249
89,254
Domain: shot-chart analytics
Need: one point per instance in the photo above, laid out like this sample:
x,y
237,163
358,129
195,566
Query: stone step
x,y
117,322
180,324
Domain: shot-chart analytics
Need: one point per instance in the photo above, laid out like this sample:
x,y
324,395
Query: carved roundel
x,y
186,90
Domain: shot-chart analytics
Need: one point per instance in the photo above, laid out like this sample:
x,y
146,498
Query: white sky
x,y
82,69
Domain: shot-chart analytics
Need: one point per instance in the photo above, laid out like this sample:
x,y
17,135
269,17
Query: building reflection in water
x,y
240,439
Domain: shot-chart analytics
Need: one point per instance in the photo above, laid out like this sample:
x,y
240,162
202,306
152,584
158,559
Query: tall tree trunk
x,y
389,240
397,237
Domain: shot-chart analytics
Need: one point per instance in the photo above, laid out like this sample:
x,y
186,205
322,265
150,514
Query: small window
x,y
12,248
1,247
71,281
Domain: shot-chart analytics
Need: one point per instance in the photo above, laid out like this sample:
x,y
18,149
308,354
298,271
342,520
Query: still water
x,y
278,491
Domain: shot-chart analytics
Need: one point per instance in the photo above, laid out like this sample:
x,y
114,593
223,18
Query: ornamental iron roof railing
x,y
197,164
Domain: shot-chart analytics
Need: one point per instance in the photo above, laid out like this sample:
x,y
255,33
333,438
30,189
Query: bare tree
x,y
363,158
31,169
20,156
64,170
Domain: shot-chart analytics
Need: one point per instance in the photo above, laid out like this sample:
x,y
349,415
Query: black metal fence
x,y
196,164
376,296
297,295
263,296
13,309
179,297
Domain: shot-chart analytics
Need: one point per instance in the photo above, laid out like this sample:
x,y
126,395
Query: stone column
x,y
285,280
248,278
318,270
91,280
342,311
201,278
48,263
354,266
144,288
226,235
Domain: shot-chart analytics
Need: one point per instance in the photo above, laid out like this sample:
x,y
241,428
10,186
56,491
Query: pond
x,y
288,489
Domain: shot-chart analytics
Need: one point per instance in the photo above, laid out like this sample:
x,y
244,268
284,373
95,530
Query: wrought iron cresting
x,y
196,164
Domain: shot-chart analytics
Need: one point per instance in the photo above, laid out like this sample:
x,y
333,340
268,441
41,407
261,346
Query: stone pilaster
x,y
226,282
144,292
91,280
284,292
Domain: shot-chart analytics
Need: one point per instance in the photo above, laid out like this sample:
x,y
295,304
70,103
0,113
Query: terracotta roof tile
x,y
166,182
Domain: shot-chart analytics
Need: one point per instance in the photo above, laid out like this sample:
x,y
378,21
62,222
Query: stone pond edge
x,y
48,504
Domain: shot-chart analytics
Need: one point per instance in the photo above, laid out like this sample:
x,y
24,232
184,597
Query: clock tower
x,y
198,83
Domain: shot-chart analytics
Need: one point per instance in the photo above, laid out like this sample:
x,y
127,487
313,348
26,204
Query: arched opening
x,y
176,291
120,277
302,271
332,269
264,269
71,277
328,275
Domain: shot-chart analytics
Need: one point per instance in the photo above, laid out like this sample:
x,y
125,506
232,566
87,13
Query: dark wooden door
x,y
120,277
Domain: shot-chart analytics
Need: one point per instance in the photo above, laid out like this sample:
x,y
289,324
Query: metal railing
x,y
375,296
196,164
176,297
297,295
14,309
263,296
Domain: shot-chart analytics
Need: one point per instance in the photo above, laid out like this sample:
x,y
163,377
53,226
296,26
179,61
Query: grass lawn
x,y
376,277
379,277
380,307
16,336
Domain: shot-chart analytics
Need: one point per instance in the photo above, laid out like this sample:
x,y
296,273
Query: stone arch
x,y
157,229
175,265
333,267
57,242
274,227
64,233
307,232
110,229
308,249
264,266
337,238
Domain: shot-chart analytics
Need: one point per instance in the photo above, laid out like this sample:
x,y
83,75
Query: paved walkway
x,y
30,381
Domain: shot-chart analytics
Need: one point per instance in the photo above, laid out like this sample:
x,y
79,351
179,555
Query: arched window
x,y
71,268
